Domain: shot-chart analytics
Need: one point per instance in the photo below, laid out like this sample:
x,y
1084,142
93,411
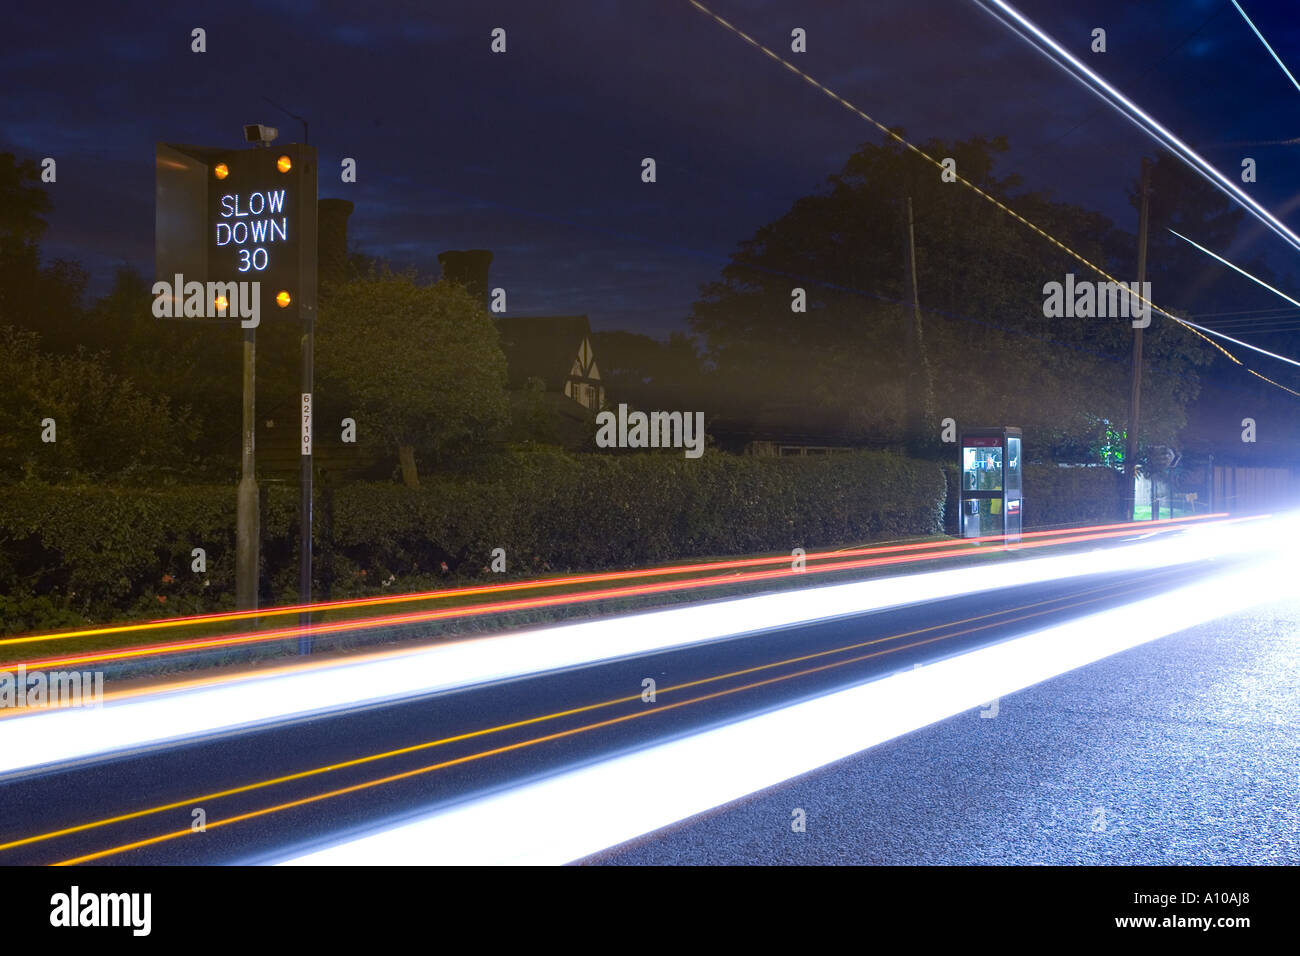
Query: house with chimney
x,y
552,373
554,350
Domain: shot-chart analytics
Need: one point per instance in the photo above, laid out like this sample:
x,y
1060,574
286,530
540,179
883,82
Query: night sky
x,y
535,154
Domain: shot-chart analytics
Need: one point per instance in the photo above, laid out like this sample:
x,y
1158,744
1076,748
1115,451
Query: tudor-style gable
x,y
557,350
584,385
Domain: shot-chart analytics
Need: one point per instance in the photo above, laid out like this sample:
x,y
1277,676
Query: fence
x,y
1252,490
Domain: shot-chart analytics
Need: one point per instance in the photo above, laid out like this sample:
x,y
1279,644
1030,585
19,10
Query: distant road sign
x,y
1165,456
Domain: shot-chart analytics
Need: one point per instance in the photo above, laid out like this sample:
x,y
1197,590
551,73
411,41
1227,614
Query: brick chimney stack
x,y
468,267
332,239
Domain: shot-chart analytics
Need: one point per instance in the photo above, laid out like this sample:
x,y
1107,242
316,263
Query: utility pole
x,y
305,477
1135,394
917,381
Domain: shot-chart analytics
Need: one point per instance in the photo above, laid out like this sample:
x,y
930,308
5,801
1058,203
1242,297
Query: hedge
x,y
1058,496
1055,496
100,552
96,551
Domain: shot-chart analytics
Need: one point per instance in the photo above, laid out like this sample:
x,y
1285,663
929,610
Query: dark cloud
x,y
536,154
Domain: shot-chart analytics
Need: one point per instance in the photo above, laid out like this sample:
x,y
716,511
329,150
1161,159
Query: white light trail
x,y
1266,46
1257,281
581,812
1134,113
150,721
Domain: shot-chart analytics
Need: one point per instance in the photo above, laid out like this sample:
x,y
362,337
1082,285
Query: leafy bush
x,y
104,425
104,551
107,549
1054,496
24,613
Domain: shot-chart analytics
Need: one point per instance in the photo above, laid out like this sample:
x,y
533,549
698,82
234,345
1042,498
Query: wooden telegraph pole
x,y
1135,394
917,380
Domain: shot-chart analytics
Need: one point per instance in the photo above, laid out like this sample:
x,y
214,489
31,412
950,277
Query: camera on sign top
x,y
257,133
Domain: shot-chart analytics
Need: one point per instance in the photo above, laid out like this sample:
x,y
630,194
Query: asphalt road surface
x,y
1182,751
1139,743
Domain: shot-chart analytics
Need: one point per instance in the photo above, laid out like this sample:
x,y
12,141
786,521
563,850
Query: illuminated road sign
x,y
238,215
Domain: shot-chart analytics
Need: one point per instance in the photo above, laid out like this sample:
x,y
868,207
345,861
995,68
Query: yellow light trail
x,y
1271,382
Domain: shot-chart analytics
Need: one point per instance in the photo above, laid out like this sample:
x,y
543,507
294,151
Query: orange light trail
x,y
476,610
595,578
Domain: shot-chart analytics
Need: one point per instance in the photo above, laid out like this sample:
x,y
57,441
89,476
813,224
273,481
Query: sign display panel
x,y
236,232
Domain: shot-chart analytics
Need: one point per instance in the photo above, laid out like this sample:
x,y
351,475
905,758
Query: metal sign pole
x,y
305,482
309,270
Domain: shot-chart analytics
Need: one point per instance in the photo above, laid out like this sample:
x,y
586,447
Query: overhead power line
x,y
1045,44
1210,315
1257,281
916,150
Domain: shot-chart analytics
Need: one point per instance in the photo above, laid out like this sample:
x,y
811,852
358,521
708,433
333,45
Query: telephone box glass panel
x,y
982,467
